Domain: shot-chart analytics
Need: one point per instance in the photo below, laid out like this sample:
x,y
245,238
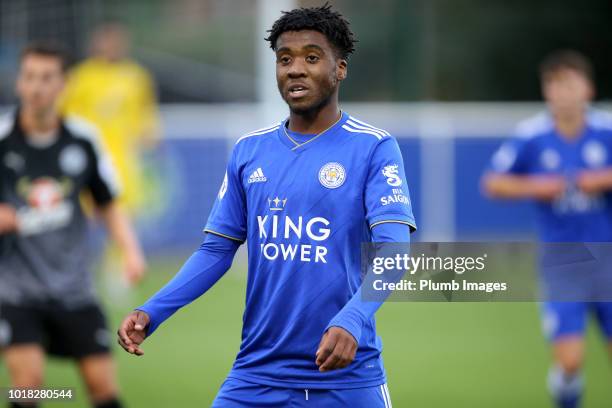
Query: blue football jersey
x,y
304,208
537,148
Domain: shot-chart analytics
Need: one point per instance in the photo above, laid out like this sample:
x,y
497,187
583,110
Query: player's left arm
x,y
340,341
598,180
595,181
8,215
389,215
104,189
121,231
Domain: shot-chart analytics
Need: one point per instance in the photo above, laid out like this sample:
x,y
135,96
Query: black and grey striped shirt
x,y
49,258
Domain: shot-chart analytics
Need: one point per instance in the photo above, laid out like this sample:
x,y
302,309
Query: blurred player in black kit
x,y
47,299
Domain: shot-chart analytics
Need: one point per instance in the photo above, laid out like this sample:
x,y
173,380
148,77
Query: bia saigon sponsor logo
x,y
290,232
391,172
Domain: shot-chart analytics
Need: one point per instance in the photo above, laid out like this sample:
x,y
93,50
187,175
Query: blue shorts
x,y
561,319
235,393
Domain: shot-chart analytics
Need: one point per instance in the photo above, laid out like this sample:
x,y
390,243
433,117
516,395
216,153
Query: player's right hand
x,y
8,219
132,332
135,266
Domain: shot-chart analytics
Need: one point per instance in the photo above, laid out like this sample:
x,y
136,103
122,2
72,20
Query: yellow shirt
x,y
119,98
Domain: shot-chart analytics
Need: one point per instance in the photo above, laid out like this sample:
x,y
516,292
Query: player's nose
x,y
296,70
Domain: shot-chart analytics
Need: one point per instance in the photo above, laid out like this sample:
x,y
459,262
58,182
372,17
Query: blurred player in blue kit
x,y
304,194
562,159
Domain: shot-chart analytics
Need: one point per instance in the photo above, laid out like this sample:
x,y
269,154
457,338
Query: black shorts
x,y
63,332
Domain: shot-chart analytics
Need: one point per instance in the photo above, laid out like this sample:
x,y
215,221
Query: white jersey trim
x,y
369,132
388,395
395,222
6,125
599,119
357,126
384,132
208,230
85,130
534,126
543,122
259,132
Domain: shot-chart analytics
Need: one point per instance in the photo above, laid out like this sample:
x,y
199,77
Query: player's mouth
x,y
297,91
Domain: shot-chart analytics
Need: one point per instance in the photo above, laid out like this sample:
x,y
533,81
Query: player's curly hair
x,y
322,19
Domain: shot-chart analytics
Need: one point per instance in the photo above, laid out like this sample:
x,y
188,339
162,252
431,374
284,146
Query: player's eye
x,y
312,58
284,60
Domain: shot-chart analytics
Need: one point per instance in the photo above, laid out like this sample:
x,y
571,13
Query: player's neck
x,y
314,122
39,126
570,125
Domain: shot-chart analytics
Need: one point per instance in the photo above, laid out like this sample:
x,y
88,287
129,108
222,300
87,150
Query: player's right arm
x,y
510,175
201,271
8,219
542,188
226,231
8,215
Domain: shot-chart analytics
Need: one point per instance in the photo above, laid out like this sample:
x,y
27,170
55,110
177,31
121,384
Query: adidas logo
x,y
257,176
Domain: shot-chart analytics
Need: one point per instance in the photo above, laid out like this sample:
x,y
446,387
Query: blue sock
x,y
566,389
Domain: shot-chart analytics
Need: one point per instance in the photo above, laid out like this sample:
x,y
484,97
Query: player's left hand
x,y
135,266
336,350
593,181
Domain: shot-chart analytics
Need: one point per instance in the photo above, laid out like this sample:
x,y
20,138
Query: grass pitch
x,y
436,354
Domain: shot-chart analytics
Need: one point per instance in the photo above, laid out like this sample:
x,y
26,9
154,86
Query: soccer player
x,y
304,194
47,301
562,160
117,95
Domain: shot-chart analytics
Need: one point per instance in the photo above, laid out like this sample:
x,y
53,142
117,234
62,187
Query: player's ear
x,y
592,92
341,70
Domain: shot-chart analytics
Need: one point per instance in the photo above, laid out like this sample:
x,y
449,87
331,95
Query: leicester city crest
x,y
332,175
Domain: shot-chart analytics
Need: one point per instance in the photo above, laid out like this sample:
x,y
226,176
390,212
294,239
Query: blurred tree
x,y
409,50
453,50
